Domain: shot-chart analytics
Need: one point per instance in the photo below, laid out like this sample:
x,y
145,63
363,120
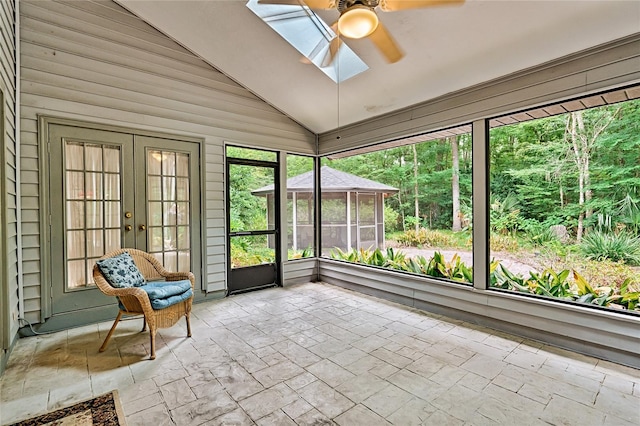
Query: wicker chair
x,y
135,301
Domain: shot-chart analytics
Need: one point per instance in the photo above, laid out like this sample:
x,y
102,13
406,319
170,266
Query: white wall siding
x,y
299,271
97,62
9,250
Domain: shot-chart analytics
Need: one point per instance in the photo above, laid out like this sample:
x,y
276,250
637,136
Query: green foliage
x,y
558,285
504,243
390,219
426,238
245,252
437,266
505,214
618,247
567,284
300,254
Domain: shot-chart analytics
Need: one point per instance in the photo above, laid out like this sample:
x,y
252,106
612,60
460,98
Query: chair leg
x,y
188,317
113,327
144,323
152,333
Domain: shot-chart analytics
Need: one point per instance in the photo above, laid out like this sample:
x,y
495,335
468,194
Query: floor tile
x,y
325,399
360,415
314,354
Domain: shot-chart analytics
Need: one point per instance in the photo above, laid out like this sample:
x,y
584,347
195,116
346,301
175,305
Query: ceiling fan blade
x,y
386,44
312,4
394,5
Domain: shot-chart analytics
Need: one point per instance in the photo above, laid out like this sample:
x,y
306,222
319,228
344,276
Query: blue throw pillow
x,y
121,271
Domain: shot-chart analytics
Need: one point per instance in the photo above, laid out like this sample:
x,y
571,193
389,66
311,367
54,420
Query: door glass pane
x,y
92,223
95,243
155,214
111,159
183,237
182,190
76,270
93,188
74,156
75,215
182,165
249,189
165,188
252,250
74,185
169,214
154,163
112,214
155,239
93,155
75,244
94,214
168,163
154,192
111,240
168,188
111,186
183,213
184,260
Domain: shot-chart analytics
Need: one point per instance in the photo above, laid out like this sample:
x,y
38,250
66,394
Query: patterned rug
x,y
103,410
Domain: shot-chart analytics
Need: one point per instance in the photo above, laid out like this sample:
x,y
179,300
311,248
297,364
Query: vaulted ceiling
x,y
447,49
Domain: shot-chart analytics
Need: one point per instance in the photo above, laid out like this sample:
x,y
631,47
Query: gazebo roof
x,y
332,180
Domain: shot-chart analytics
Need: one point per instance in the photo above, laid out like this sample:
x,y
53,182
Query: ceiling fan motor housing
x,y
346,4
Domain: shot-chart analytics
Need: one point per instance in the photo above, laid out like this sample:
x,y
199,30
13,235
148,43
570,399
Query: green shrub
x,y
426,238
620,247
504,243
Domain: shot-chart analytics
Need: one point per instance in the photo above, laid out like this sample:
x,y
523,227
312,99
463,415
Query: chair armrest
x,y
178,276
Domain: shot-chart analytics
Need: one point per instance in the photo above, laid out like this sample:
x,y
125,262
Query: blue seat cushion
x,y
121,271
167,293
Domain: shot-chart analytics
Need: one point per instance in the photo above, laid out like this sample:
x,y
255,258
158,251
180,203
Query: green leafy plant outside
x,y
564,285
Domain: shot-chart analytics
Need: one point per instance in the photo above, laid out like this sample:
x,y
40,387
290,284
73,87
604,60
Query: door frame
x,y
49,321
277,234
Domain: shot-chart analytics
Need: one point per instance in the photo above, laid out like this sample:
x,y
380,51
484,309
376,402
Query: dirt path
x,y
509,261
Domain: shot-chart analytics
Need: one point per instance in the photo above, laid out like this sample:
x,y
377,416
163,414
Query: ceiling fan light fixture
x,y
357,22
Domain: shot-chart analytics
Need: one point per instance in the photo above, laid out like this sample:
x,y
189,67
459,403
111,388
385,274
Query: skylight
x,y
311,36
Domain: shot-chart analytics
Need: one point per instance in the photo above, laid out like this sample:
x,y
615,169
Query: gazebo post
x,y
294,218
348,220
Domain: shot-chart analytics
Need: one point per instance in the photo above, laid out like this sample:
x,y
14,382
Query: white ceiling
x,y
447,49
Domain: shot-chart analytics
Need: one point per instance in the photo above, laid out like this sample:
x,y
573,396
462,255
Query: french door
x,y
111,190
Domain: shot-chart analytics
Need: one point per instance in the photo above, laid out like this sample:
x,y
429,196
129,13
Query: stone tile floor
x,y
314,354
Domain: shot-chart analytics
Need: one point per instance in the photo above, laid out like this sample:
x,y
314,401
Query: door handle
x,y
142,227
128,228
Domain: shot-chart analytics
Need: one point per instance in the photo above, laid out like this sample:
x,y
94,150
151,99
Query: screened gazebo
x,y
352,210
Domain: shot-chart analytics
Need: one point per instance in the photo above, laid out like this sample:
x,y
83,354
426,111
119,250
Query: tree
x,y
416,192
455,183
581,139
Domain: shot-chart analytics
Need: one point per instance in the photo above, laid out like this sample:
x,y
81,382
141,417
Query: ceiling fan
x,y
358,19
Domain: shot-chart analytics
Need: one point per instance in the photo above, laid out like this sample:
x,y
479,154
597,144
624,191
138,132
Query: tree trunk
x,y
582,141
455,184
415,186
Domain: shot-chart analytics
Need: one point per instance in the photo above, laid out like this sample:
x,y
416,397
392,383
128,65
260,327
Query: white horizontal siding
x,y
597,69
300,271
9,177
97,62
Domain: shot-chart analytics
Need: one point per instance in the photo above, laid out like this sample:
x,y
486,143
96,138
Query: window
x,y
300,207
565,201
404,205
